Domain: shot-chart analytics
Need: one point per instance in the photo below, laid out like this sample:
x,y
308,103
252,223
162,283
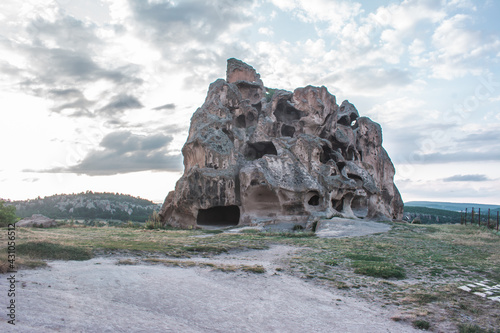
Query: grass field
x,y
416,269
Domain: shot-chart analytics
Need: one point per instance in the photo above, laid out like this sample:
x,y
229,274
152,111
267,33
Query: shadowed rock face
x,y
293,157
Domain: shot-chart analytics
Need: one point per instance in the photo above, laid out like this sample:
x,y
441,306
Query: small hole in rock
x,y
314,201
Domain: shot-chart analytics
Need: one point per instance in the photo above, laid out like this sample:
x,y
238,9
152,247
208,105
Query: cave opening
x,y
341,166
261,201
257,150
359,206
228,133
286,113
350,154
287,130
348,120
314,200
356,178
241,121
325,154
338,205
258,107
219,216
344,121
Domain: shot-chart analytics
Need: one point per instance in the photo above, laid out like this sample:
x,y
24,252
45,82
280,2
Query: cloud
x,y
125,152
64,32
120,103
72,100
58,57
169,106
189,20
54,66
466,178
440,190
483,137
373,79
194,37
463,156
459,50
335,13
266,31
31,180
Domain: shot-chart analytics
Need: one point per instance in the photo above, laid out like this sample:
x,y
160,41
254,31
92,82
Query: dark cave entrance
x,y
287,130
219,216
286,113
259,149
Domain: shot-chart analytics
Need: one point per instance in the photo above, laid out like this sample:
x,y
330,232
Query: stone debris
x,y
260,156
483,289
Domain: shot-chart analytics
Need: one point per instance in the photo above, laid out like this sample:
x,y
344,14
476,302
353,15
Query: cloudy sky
x,y
98,94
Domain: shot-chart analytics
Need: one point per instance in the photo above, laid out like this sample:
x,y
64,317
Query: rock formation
x,y
37,220
258,156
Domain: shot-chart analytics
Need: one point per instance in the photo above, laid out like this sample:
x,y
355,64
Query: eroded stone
x,y
297,157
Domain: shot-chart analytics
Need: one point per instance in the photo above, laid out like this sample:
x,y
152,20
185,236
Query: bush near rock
x,y
294,157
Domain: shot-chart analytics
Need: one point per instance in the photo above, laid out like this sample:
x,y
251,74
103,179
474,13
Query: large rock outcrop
x,y
37,221
258,156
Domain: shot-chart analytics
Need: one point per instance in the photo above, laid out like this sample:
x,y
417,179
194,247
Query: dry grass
x,y
218,267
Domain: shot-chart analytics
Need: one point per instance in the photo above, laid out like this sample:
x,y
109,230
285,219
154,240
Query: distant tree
x,y
7,214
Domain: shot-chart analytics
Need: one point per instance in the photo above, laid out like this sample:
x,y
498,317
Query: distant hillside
x,y
88,205
430,215
450,205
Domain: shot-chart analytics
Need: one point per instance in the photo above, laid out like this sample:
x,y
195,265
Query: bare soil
x,y
99,295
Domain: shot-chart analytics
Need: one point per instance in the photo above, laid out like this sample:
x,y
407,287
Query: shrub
x,y
7,214
421,324
154,221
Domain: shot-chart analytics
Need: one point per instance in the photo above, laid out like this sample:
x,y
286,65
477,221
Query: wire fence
x,y
474,217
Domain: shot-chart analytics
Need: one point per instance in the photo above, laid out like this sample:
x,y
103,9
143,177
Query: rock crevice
x,y
257,155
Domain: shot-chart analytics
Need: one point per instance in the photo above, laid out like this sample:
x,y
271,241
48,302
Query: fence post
x,y
479,218
472,216
488,218
461,218
497,219
465,219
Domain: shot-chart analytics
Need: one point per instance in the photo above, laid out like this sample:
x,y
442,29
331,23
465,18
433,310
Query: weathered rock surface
x,y
37,220
259,156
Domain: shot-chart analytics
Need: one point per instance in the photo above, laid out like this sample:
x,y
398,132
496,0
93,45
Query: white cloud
x,y
463,4
266,31
335,13
400,110
458,49
416,47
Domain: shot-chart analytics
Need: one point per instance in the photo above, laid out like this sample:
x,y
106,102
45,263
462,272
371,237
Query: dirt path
x,y
100,296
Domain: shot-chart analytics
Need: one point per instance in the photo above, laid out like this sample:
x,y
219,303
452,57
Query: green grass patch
x,y
364,257
52,251
126,262
471,328
378,269
421,324
212,249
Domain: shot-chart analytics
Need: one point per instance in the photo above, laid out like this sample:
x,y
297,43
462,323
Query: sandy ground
x,y
100,296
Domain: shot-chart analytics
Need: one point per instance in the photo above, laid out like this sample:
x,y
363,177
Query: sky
x,y
98,94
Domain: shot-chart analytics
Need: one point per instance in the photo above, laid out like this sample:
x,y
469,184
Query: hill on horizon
x,y
88,205
452,206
